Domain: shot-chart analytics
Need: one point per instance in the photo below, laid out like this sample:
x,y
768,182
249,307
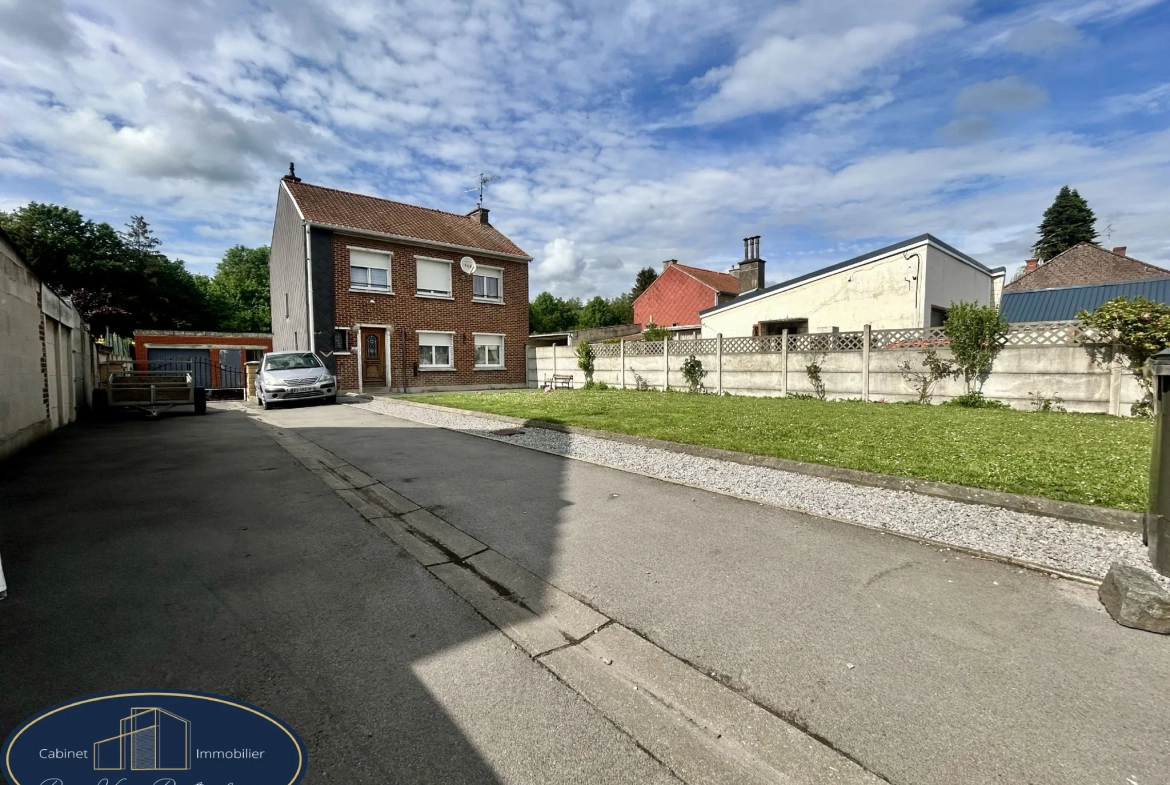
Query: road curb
x,y
1102,517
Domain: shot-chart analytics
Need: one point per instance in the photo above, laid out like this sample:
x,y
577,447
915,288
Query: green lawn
x,y
1092,459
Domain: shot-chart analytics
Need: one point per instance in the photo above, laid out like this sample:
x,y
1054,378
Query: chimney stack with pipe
x,y
750,271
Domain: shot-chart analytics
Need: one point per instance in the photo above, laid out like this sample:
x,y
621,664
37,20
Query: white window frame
x,y
366,289
494,300
450,334
450,295
503,338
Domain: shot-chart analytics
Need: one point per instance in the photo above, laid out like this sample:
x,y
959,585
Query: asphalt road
x,y
964,671
195,553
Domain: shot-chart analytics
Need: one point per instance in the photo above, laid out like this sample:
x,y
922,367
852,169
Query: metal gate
x,y
200,359
228,374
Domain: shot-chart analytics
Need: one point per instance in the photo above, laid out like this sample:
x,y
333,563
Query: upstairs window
x,y
488,284
434,277
369,270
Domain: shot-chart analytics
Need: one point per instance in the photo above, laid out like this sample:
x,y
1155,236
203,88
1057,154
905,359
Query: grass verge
x,y
1090,459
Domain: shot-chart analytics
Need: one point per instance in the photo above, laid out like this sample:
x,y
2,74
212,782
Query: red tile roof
x,y
1086,264
368,213
720,282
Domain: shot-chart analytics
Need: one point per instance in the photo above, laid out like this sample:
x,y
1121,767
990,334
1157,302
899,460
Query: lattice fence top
x,y
687,348
910,338
643,348
825,342
1070,333
606,350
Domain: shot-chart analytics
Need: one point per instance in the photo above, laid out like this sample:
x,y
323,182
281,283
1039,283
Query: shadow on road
x,y
193,552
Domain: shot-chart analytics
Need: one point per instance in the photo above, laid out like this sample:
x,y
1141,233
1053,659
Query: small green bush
x,y
692,371
602,386
975,400
588,385
585,362
654,333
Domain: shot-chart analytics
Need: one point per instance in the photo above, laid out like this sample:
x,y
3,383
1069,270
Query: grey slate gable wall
x,y
321,246
286,275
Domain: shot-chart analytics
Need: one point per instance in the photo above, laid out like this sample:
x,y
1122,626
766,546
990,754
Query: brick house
x,y
675,298
395,296
1085,264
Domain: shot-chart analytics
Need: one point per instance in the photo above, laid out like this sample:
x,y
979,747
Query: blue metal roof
x,y
1064,303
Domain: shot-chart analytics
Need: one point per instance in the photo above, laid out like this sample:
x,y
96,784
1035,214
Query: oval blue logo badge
x,y
168,737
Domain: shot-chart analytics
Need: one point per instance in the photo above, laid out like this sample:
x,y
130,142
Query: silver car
x,y
294,376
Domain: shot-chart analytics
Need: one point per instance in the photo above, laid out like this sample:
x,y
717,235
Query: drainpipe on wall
x,y
312,337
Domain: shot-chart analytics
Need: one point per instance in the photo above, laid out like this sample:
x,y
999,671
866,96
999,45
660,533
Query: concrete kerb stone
x,y
677,727
1104,517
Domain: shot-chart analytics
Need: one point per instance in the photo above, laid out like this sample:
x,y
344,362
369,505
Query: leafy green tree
x,y
598,312
238,294
974,332
1139,328
117,279
1067,221
645,277
622,309
550,314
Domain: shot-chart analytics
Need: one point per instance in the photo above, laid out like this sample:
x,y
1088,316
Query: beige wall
x,y
890,292
1085,382
26,308
23,416
949,280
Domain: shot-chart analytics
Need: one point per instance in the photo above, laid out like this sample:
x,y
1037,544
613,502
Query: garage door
x,y
201,359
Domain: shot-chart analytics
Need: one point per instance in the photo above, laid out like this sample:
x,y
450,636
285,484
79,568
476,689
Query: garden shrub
x,y
975,333
975,400
813,370
654,333
1140,329
585,362
692,371
640,383
1045,403
934,369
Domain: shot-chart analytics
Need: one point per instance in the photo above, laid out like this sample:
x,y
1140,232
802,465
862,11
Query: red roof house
x,y
676,297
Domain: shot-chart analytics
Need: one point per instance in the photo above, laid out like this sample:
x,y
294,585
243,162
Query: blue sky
x,y
625,133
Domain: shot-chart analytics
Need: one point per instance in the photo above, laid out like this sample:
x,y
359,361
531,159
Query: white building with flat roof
x,y
908,284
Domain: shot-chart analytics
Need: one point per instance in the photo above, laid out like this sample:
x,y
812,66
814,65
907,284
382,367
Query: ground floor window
x,y
435,350
253,355
489,351
938,316
340,339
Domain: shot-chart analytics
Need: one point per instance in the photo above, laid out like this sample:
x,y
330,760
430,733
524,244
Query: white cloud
x,y
1000,95
1043,38
189,113
1152,101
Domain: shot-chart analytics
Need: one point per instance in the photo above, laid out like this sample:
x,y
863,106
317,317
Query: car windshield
x,y
288,362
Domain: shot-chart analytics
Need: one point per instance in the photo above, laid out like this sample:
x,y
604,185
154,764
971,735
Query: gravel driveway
x,y
1076,548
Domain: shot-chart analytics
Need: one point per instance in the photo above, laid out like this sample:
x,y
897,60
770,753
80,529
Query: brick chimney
x,y
292,173
668,264
1119,250
750,271
1030,265
480,214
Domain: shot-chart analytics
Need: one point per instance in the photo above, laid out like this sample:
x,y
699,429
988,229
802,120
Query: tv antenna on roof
x,y
1109,233
483,180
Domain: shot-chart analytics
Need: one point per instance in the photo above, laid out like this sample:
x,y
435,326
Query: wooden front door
x,y
373,354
